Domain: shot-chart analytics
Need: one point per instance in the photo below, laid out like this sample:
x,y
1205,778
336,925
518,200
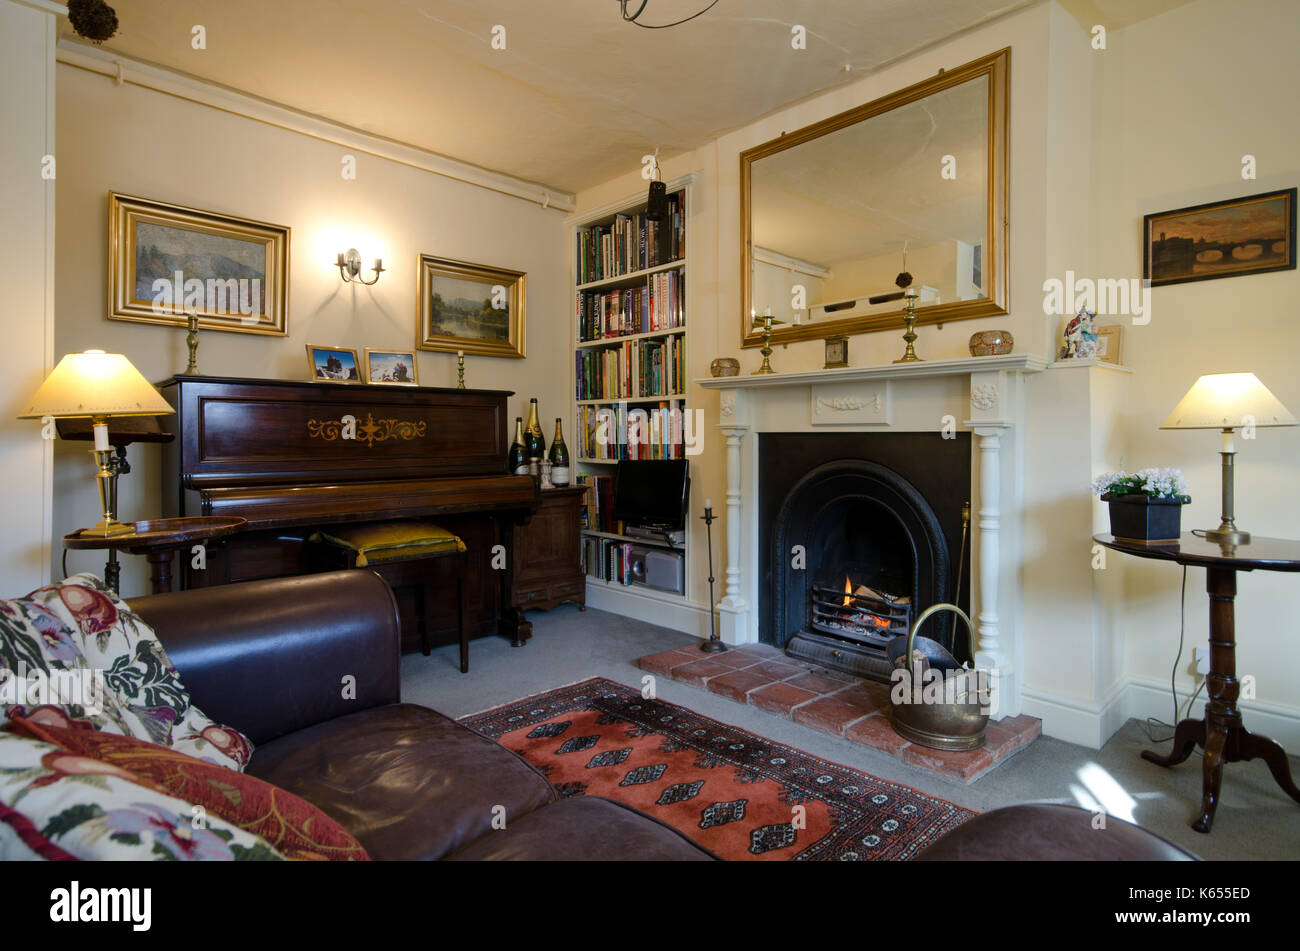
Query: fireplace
x,y
865,532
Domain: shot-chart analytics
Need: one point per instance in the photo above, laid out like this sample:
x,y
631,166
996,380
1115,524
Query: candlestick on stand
x,y
460,369
192,341
766,322
713,645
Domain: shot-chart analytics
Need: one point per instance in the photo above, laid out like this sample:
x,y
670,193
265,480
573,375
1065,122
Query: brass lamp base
x,y
1231,536
108,529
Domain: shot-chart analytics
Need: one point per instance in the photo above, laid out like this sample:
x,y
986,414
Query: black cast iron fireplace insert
x,y
863,532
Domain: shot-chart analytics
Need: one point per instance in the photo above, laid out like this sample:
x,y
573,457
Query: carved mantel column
x,y
733,610
987,398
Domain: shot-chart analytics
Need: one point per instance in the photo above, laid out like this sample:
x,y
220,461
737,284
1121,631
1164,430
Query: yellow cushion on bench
x,y
377,542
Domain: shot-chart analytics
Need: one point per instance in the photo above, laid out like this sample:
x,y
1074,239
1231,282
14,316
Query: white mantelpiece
x,y
984,395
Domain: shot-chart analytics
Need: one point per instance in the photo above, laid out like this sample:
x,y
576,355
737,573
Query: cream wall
x,y
141,142
1180,98
1098,138
27,248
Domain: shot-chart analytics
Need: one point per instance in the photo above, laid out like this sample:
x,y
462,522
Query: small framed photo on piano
x,y
333,364
391,367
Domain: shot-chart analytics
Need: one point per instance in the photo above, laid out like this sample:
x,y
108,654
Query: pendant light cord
x,y
660,26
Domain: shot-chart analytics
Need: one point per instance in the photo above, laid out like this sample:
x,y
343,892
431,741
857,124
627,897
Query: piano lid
x,y
240,432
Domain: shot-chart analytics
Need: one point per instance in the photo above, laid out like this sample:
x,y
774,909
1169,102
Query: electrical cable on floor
x,y
1173,688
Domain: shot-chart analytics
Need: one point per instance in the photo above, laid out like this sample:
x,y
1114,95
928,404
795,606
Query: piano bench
x,y
402,553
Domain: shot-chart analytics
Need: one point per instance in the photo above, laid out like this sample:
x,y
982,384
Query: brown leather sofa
x,y
308,668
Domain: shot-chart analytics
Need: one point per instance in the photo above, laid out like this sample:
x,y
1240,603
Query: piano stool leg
x,y
460,616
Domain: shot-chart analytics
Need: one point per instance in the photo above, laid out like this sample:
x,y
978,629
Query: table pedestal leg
x,y
1221,733
112,571
160,569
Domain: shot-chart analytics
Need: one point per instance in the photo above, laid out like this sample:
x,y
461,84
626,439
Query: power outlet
x,y
1202,660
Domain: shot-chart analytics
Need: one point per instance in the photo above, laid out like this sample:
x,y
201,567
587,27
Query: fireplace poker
x,y
713,645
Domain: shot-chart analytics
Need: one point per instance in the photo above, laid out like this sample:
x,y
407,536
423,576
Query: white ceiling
x,y
575,98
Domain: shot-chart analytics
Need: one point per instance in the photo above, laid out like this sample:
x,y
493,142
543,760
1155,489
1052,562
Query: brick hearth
x,y
832,702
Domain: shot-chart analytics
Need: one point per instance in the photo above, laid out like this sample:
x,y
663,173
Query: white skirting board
x,y
1092,723
655,607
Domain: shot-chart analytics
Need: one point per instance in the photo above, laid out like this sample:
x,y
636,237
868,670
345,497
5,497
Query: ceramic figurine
x,y
1080,337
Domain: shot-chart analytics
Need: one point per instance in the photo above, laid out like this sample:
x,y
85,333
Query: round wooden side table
x,y
156,539
1221,733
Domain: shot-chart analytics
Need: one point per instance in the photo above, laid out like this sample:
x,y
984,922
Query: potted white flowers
x,y
1145,506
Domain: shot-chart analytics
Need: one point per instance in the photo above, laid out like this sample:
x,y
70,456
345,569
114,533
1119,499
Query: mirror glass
x,y
831,211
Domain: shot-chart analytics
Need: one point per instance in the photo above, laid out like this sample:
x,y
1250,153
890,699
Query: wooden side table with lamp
x,y
1223,401
99,386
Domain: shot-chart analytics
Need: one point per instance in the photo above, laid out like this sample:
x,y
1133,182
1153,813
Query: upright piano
x,y
291,457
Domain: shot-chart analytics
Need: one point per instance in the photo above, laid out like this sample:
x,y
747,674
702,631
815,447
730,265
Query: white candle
x,y
460,353
101,437
708,505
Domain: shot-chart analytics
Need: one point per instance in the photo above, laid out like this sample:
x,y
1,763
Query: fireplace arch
x,y
863,520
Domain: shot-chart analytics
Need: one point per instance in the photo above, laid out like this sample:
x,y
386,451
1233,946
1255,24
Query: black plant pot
x,y
1140,518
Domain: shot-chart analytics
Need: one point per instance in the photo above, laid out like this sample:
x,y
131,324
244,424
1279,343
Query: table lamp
x,y
1227,401
97,385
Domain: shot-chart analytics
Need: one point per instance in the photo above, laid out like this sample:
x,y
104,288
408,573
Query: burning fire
x,y
866,617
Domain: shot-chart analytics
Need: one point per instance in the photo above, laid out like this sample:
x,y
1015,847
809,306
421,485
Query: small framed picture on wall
x,y
391,367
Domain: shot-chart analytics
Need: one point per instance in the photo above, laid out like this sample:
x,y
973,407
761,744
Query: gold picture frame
x,y
319,369
391,374
216,257
470,307
995,69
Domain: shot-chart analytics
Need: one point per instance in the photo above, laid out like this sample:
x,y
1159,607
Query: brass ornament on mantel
x,y
909,320
766,322
192,342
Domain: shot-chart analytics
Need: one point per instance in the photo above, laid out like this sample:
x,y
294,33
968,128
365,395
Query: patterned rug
x,y
743,796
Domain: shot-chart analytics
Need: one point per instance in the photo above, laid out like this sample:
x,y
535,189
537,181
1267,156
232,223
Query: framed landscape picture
x,y
333,364
470,307
165,261
391,367
1221,239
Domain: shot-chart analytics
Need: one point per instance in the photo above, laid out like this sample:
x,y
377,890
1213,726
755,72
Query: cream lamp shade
x,y
1224,401
95,384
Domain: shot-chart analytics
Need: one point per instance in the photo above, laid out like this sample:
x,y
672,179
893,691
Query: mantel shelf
x,y
1011,362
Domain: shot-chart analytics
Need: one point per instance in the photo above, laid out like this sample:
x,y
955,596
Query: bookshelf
x,y
630,331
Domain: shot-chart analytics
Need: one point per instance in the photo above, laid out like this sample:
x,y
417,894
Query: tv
x,y
651,492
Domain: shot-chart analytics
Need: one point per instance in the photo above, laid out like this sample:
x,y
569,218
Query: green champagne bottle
x,y
517,460
534,441
559,458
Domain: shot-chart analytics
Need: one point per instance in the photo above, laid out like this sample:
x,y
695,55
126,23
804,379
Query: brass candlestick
x,y
766,321
460,370
192,341
909,319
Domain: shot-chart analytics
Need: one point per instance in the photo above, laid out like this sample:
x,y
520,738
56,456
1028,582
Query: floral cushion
x,y
57,804
291,825
82,628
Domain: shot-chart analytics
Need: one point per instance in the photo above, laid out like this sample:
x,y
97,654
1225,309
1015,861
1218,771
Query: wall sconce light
x,y
349,266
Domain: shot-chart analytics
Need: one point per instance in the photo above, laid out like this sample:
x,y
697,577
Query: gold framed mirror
x,y
827,210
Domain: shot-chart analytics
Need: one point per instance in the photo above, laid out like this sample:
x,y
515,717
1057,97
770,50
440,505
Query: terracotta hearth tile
x,y
1007,736
831,714
877,731
737,659
778,670
664,662
778,698
964,765
871,696
737,684
697,673
762,650
817,681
